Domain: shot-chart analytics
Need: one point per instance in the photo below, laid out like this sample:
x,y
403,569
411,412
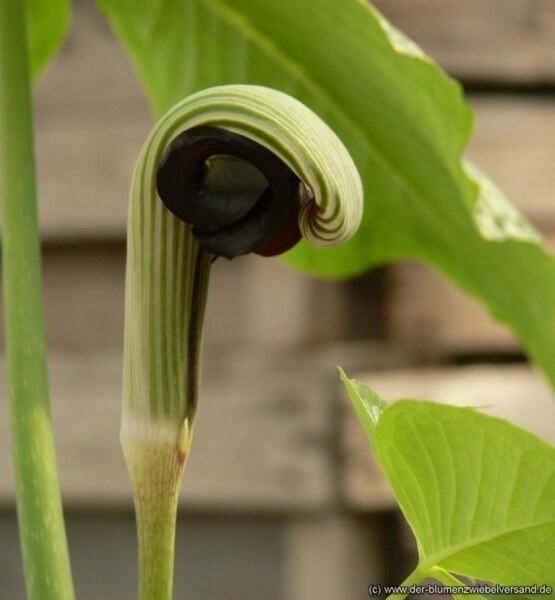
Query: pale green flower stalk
x,y
39,507
168,272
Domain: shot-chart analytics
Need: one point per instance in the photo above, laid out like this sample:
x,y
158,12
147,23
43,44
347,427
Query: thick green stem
x,y
415,577
449,580
43,539
155,469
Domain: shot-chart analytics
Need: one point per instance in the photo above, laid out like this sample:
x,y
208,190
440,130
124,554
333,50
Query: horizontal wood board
x,y
509,42
251,300
430,316
263,438
266,434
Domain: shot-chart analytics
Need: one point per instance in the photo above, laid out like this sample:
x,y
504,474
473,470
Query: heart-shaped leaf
x,y
403,120
477,491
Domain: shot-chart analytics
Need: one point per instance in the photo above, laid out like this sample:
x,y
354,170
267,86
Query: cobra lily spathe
x,y
229,170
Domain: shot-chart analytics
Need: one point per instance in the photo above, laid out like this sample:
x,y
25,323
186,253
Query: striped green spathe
x,y
166,286
164,260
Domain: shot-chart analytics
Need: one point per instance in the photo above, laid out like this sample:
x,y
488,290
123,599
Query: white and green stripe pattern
x,y
164,259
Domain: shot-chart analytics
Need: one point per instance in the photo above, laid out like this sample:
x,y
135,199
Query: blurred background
x,y
282,499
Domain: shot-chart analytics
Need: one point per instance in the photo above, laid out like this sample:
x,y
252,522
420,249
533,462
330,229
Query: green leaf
x,y
403,120
477,491
368,405
48,24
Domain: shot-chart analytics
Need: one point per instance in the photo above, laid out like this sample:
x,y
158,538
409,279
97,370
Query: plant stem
x,y
155,470
414,578
447,579
42,533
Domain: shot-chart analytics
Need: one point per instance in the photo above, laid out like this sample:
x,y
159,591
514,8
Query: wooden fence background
x,y
282,498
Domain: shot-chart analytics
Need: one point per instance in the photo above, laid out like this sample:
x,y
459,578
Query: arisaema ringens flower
x,y
227,171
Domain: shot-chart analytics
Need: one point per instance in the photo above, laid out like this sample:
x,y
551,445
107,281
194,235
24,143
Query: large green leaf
x,y
403,120
48,23
478,492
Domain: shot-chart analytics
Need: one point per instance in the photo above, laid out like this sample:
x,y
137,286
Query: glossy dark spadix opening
x,y
238,196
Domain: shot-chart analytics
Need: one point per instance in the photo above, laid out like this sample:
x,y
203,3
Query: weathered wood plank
x,y
498,41
261,302
91,121
263,438
84,173
514,143
252,300
90,70
433,318
515,393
